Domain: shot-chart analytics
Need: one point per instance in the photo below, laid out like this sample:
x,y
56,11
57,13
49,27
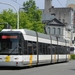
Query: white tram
x,y
22,47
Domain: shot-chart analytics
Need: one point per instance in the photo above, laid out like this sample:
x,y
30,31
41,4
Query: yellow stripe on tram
x,y
69,57
7,59
54,58
30,63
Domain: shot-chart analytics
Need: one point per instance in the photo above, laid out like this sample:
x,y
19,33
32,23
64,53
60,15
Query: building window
x,y
49,30
59,31
54,30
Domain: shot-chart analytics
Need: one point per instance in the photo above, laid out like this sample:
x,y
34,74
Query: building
x,y
55,28
58,19
71,3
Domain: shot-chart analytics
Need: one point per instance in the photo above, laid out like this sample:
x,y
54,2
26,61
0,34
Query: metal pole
x,y
16,11
57,49
51,47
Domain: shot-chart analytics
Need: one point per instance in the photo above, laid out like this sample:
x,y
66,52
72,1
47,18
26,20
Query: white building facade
x,y
63,15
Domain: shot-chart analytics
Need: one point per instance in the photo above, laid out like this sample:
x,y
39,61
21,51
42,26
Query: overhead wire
x,y
16,2
60,3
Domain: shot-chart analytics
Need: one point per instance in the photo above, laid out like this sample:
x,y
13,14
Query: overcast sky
x,y
39,3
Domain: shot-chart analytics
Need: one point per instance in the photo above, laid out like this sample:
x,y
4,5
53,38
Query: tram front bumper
x,y
12,64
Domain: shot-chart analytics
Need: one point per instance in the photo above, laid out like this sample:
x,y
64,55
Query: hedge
x,y
73,56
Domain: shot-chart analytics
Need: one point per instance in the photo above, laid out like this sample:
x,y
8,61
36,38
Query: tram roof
x,y
33,33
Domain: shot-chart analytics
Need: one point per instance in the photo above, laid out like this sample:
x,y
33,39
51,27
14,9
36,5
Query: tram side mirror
x,y
71,48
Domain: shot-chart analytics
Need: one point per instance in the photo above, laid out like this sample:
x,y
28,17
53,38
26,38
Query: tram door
x,y
29,53
32,51
21,44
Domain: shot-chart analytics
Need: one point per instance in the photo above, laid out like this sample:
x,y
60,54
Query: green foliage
x,y
34,15
1,26
73,56
30,18
24,21
29,5
8,16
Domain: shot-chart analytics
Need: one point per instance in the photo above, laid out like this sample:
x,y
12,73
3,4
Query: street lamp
x,y
16,11
19,7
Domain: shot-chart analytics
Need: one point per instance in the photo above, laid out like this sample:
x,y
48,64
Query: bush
x,y
73,56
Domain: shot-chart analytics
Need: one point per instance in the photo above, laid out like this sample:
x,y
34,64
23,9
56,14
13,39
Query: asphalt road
x,y
54,69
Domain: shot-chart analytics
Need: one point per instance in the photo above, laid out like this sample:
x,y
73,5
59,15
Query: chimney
x,y
48,5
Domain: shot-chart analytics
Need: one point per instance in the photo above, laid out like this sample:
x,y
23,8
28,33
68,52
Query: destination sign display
x,y
9,37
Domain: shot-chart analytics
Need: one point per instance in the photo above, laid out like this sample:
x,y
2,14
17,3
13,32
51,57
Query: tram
x,y
22,47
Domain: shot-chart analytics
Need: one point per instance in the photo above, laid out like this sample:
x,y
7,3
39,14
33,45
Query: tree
x,y
1,21
24,21
29,5
34,15
8,16
30,18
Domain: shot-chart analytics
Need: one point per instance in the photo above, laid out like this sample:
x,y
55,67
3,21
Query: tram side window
x,y
61,50
25,48
68,50
30,47
47,51
0,46
48,48
58,50
64,50
53,49
34,48
44,48
40,48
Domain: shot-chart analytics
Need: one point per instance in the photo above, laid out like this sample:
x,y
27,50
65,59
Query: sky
x,y
39,3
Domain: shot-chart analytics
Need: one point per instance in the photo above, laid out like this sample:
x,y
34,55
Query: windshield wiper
x,y
13,50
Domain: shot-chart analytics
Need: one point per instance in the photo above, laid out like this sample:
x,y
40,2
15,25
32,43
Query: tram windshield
x,y
9,44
